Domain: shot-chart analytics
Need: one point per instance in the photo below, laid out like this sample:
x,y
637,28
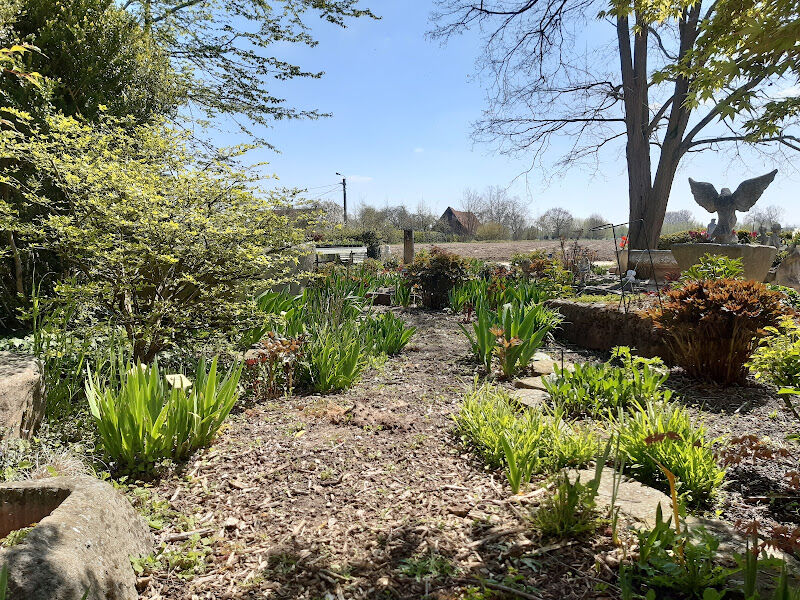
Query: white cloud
x,y
419,150
359,178
790,92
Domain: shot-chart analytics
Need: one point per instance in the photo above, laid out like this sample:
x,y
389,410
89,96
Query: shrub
x,y
492,232
157,246
388,333
662,433
144,415
777,359
512,334
596,389
665,242
490,420
713,326
714,266
436,274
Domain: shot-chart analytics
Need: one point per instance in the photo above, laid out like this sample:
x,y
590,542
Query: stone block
x,y
22,395
83,537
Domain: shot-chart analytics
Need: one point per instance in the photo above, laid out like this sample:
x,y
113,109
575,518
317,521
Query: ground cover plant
x,y
601,389
526,442
654,436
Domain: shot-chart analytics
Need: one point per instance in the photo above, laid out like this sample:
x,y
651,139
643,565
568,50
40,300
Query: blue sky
x,y
402,111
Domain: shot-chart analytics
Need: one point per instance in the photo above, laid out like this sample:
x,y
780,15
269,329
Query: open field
x,y
504,250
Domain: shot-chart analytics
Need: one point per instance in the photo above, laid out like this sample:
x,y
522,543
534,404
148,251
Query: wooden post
x,y
408,246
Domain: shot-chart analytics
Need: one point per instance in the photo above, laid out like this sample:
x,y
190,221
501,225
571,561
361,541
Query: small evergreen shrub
x,y
435,274
713,326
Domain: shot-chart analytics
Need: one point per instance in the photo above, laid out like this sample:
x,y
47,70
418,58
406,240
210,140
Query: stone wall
x,y
602,326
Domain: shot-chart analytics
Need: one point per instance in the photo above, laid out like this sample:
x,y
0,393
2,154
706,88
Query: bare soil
x,y
503,251
343,496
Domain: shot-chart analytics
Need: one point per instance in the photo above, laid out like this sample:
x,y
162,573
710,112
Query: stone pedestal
x,y
756,259
22,395
666,268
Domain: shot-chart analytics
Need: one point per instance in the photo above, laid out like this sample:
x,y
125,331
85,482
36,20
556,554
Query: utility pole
x,y
344,193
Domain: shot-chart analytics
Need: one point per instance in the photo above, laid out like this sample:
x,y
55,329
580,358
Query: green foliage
x,y
427,567
402,293
674,564
435,274
97,60
144,415
572,509
537,442
714,266
596,389
777,359
495,291
389,333
334,358
790,296
186,561
713,326
662,433
236,79
512,334
158,247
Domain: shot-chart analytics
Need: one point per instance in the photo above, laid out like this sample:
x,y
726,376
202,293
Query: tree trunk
x,y
648,197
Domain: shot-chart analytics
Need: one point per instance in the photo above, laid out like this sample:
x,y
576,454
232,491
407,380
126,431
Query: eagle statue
x,y
725,203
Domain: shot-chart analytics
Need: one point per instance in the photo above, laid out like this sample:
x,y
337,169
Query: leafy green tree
x,y
98,59
225,48
154,243
688,75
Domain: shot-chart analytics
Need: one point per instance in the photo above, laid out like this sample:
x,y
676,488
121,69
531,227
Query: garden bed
x,y
354,495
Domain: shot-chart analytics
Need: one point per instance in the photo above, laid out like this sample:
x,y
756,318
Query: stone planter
x,y
83,536
666,268
756,259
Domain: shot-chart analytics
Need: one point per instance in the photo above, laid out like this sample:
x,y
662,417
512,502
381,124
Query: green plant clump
x,y
713,325
715,266
512,335
777,359
389,333
572,510
529,442
435,274
674,565
144,415
661,434
595,389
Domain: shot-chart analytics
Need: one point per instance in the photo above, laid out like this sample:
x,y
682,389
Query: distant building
x,y
458,222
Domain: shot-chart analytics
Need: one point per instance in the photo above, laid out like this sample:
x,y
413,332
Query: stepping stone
x,y
531,398
637,501
530,383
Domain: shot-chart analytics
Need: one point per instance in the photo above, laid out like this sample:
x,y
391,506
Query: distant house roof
x,y
461,220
